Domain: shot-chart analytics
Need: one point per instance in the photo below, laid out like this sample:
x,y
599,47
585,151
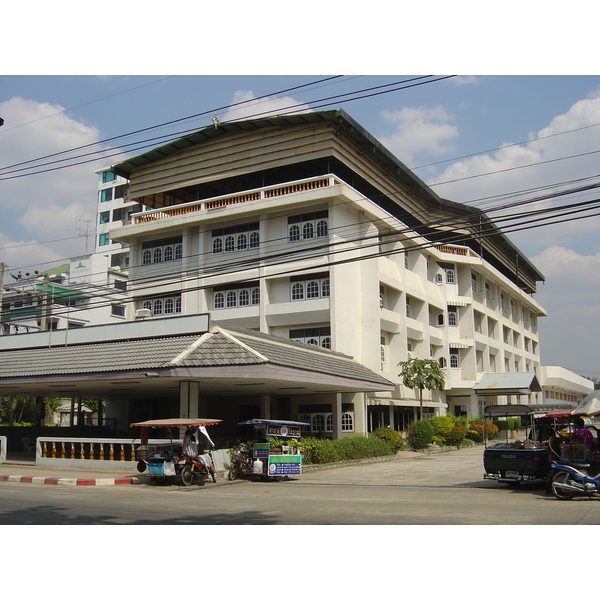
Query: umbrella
x,y
590,405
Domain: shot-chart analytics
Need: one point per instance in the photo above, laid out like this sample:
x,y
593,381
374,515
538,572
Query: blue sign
x,y
284,464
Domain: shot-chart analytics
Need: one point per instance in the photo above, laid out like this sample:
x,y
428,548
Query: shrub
x,y
316,451
420,434
442,426
476,431
392,437
456,436
467,443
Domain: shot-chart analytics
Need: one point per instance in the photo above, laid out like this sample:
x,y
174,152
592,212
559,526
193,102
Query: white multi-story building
x,y
80,293
306,228
114,210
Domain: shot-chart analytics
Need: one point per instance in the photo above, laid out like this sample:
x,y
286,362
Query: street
x,y
439,489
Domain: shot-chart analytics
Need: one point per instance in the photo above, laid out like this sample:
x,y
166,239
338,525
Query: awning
x,y
507,384
590,405
458,345
402,402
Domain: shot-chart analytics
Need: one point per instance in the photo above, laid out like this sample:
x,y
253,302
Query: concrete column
x,y
360,411
336,406
265,407
188,399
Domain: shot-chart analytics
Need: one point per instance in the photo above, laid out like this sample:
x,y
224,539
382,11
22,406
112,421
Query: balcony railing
x,y
239,198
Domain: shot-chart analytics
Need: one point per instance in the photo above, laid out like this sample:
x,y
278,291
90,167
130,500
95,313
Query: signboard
x,y
292,431
260,449
284,464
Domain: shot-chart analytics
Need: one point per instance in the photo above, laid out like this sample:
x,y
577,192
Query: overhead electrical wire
x,y
7,174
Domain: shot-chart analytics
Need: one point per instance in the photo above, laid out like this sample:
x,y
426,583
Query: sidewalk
x,y
21,470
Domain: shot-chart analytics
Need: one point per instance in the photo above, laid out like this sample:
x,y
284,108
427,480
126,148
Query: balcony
x,y
205,206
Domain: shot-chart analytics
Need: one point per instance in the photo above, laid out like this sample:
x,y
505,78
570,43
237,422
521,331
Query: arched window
x,y
231,299
321,228
454,358
157,309
178,305
325,288
312,341
254,239
450,276
147,304
347,422
219,301
256,296
329,422
326,343
147,257
440,319
297,291
178,251
217,246
244,298
168,253
308,231
442,362
229,243
157,255
294,233
169,306
318,423
312,289
242,241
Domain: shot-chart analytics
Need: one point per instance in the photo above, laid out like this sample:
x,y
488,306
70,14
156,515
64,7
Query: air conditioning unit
x,y
143,313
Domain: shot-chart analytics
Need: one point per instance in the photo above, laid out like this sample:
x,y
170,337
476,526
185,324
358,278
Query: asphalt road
x,y
440,489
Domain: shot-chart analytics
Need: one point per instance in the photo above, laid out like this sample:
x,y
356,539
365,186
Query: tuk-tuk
x,y
260,458
163,457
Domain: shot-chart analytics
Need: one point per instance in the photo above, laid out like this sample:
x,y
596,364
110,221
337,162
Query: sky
x,y
75,74
521,132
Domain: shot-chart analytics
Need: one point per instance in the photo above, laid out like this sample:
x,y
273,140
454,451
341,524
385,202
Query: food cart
x,y
261,458
162,456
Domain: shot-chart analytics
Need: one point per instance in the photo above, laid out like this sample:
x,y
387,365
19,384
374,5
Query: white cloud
x,y
510,174
45,206
424,129
262,108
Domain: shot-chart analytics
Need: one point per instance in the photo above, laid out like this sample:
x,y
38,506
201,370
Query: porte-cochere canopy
x,y
138,360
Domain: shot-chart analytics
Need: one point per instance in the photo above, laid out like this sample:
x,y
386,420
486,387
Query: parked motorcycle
x,y
196,470
569,481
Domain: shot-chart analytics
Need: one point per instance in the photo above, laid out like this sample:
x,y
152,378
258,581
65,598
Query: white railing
x,y
274,191
101,453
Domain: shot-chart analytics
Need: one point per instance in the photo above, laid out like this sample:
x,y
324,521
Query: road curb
x,y
71,482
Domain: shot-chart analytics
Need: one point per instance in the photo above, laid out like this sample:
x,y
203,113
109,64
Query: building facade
x,y
306,228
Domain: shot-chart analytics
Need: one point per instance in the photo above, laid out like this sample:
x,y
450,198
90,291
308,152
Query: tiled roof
x,y
222,346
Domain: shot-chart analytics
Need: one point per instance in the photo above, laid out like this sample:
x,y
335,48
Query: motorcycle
x,y
569,481
197,469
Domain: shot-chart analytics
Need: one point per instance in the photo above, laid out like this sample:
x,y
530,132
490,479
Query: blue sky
x,y
440,121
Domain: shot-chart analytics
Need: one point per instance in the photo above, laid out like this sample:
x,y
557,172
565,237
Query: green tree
x,y
420,374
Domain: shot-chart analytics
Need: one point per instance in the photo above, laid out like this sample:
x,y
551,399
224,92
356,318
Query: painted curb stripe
x,y
57,481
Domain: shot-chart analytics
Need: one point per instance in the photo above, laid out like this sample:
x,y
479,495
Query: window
x,y
164,250
408,306
439,278
442,362
308,287
450,276
440,319
106,195
308,226
117,310
382,351
233,297
297,291
318,336
103,239
121,285
108,176
488,293
236,239
454,358
105,217
452,316
474,283
169,305
348,421
317,423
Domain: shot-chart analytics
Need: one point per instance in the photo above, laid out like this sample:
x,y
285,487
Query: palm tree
x,y
420,373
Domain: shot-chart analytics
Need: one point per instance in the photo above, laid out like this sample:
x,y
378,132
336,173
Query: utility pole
x,y
45,303
2,270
